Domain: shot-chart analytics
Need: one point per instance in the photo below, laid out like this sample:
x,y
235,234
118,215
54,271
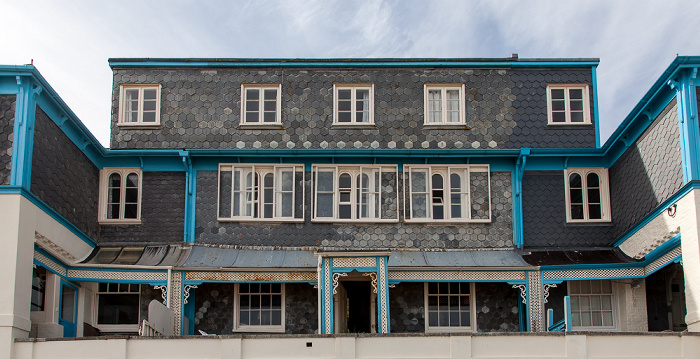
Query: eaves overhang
x,y
352,63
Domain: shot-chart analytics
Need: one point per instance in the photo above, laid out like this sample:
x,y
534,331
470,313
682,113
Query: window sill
x,y
260,126
569,124
433,126
446,221
262,329
353,126
119,221
138,126
354,221
450,330
588,223
260,220
117,328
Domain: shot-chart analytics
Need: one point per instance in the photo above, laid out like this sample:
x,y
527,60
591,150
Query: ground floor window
x,y
259,307
117,304
38,288
592,304
449,307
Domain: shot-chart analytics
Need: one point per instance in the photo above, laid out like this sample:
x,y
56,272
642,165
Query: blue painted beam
x,y
596,113
23,140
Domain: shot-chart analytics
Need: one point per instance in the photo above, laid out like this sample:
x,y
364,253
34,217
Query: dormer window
x,y
261,104
568,105
120,195
444,104
139,105
353,104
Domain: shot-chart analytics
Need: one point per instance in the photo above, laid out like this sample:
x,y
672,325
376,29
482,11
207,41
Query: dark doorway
x,y
358,306
666,299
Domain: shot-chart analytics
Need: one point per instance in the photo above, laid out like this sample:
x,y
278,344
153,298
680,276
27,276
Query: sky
x,y
70,41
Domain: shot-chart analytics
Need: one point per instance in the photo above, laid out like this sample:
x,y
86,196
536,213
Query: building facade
x,y
350,196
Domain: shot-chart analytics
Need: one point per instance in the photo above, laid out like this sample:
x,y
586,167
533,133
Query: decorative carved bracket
x,y
163,292
374,280
187,291
523,291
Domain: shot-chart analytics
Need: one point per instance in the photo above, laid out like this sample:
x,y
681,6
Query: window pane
x,y
344,117
577,117
576,106
130,210
270,117
593,195
575,180
149,106
251,117
276,318
575,93
325,181
270,106
149,117
115,180
132,180
558,106
559,117
418,181
118,309
454,319
252,94
594,211
271,94
608,319
433,319
558,93
344,94
325,205
577,211
344,105
131,195
592,180
244,318
419,206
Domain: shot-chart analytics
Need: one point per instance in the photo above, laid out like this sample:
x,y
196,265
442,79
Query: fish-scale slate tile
x,y
530,103
301,303
648,173
544,216
213,308
63,177
7,123
162,213
201,109
496,307
497,234
406,308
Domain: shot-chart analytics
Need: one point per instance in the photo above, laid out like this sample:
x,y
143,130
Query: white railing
x,y
147,330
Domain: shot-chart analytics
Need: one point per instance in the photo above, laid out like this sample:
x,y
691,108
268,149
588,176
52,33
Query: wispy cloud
x,y
70,42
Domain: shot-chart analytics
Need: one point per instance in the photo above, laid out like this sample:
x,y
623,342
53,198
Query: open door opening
x,y
355,305
666,307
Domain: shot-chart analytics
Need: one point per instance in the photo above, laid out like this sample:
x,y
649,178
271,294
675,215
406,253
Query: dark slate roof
x,y
603,256
224,257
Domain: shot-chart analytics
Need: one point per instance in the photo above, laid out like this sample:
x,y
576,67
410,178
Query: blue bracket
x,y
688,122
190,196
518,198
23,141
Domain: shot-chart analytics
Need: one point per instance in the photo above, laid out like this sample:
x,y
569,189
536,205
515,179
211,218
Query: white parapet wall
x,y
572,345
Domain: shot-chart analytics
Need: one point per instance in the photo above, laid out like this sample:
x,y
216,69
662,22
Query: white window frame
x,y
114,328
604,194
445,171
472,311
105,173
443,107
261,88
353,111
354,171
122,104
261,170
613,300
567,104
237,327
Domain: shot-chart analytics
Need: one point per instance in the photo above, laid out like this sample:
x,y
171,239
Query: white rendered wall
x,y
496,345
690,246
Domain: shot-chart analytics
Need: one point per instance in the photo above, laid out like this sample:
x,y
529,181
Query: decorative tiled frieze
x,y
341,262
126,275
457,275
663,260
383,301
327,299
49,263
176,300
251,276
595,273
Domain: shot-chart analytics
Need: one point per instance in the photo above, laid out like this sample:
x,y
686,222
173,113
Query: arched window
x,y
587,195
120,197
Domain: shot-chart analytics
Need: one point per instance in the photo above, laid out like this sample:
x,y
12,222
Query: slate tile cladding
x,y
200,108
496,307
544,216
649,172
497,234
162,213
407,308
531,128
214,306
301,303
7,124
58,164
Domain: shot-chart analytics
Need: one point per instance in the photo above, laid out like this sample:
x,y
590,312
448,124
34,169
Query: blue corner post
x,y
518,197
190,196
23,141
686,101
567,313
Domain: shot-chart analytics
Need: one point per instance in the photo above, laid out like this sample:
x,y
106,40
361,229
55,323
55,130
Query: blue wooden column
x,y
23,141
686,102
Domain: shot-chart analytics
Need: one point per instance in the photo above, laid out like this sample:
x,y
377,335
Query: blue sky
x,y
70,41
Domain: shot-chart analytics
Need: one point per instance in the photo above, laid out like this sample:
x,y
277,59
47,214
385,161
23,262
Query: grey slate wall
x,y
214,305
531,128
497,234
7,123
63,177
544,215
407,308
496,307
162,213
200,108
649,172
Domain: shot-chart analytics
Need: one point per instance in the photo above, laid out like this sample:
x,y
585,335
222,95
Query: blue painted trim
x,y
596,113
690,123
51,257
69,330
50,211
190,196
567,313
522,314
40,264
189,311
351,63
23,135
517,177
657,211
386,279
